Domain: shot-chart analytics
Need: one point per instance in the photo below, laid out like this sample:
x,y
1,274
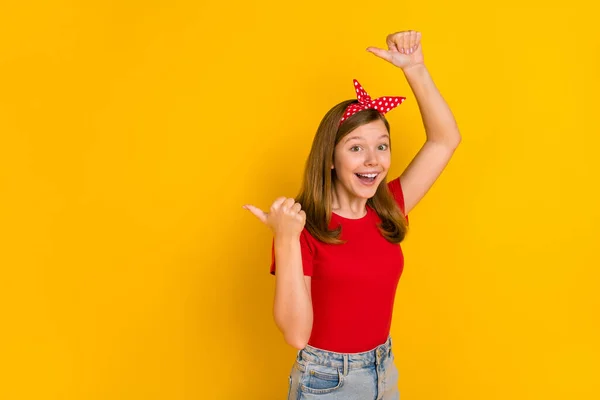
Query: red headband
x,y
381,104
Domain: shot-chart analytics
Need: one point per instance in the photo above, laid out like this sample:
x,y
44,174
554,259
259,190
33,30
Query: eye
x,y
383,147
354,147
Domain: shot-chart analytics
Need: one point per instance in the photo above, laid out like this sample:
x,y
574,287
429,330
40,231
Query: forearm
x,y
292,308
440,125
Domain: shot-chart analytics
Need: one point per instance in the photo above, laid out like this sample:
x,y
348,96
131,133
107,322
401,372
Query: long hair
x,y
315,195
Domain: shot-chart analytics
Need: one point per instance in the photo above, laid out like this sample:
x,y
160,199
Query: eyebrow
x,y
359,137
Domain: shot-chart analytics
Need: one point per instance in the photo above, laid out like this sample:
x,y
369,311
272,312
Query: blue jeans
x,y
325,375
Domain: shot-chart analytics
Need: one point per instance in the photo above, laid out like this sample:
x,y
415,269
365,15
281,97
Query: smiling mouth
x,y
367,178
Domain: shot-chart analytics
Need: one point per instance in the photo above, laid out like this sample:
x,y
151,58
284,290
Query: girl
x,y
336,245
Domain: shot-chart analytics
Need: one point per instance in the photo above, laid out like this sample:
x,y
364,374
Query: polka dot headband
x,y
381,104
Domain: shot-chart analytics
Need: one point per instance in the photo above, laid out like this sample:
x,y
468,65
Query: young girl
x,y
336,245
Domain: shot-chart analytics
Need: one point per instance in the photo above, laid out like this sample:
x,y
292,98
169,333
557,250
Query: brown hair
x,y
316,192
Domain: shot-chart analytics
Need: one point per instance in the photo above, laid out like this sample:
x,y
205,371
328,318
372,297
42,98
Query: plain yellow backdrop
x,y
133,132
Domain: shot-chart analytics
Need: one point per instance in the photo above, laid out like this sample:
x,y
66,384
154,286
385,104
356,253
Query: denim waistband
x,y
347,360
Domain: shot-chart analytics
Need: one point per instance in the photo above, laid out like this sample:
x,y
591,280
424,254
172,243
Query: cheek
x,y
386,160
345,162
351,164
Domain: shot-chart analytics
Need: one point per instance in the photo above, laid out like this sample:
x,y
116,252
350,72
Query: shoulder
x,y
307,240
395,187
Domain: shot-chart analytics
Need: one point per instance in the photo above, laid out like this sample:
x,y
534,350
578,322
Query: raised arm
x,y
443,136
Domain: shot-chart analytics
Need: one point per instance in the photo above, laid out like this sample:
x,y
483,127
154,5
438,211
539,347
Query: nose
x,y
370,158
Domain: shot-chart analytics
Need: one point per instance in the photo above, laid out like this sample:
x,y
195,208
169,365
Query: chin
x,y
366,192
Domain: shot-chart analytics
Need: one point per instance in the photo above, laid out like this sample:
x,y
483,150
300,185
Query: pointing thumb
x,y
385,54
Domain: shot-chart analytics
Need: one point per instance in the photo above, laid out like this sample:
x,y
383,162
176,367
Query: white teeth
x,y
368,175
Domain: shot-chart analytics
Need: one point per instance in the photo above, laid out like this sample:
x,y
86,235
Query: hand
x,y
286,218
404,49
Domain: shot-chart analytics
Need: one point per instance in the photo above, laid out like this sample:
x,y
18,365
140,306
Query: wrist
x,y
414,69
286,238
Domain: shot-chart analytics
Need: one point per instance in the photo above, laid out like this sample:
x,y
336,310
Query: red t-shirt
x,y
353,285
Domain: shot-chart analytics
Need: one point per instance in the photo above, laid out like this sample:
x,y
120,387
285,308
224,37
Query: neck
x,y
346,204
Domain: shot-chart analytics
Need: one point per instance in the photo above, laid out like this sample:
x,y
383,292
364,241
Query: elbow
x,y
451,139
453,143
296,336
296,327
296,331
456,140
296,341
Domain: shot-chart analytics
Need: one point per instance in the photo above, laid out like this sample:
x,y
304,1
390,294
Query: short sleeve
x,y
396,190
305,250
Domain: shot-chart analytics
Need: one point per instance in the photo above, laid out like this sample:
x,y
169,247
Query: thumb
x,y
385,54
260,214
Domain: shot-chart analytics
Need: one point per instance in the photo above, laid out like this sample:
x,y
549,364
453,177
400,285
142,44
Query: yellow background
x,y
132,133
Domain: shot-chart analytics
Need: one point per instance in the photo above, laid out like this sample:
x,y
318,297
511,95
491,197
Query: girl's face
x,y
365,150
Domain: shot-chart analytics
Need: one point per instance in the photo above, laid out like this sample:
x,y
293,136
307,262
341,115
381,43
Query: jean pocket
x,y
316,381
